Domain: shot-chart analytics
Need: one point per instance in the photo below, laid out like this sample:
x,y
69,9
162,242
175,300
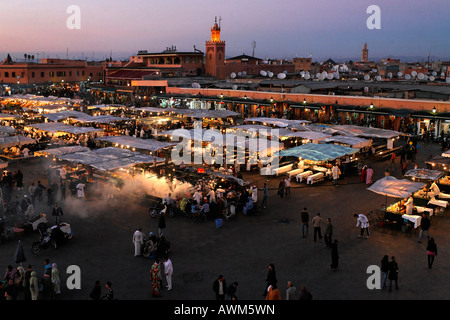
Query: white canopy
x,y
359,131
424,174
14,141
82,117
276,121
107,159
55,127
137,143
353,142
392,187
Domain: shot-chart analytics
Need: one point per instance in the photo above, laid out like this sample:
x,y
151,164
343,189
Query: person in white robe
x,y
409,205
80,190
138,240
168,270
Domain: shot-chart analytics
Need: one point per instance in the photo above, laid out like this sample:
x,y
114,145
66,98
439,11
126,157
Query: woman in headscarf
x,y
369,174
55,279
155,277
34,286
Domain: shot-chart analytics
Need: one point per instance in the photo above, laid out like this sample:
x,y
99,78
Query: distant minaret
x,y
215,53
365,54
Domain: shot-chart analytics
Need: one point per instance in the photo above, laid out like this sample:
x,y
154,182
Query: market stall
x,y
352,142
134,144
396,213
316,158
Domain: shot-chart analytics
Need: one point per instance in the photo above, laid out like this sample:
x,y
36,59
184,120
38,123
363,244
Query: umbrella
x,y
19,256
392,187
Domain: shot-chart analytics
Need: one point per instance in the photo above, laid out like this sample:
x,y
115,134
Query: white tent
x,y
15,141
353,142
142,144
55,127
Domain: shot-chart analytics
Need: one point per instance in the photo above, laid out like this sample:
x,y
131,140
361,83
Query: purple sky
x,y
281,29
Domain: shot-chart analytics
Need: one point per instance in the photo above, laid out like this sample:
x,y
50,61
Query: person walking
x,y
26,283
264,200
220,287
80,190
162,221
369,174
393,157
424,227
109,292
96,293
287,185
168,270
155,278
335,173
328,234
56,281
271,278
231,290
393,273
32,192
317,224
34,285
305,294
273,293
290,291
138,241
334,256
281,188
431,252
305,222
384,270
363,223
57,212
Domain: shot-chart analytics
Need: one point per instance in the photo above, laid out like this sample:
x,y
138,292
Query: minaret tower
x,y
215,53
365,53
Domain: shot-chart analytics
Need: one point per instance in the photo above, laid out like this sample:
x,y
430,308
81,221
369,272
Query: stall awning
x,y
78,116
318,152
62,151
424,174
359,131
392,187
55,127
276,121
14,141
137,143
353,142
107,159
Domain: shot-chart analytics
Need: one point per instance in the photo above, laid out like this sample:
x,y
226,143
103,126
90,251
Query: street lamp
x,y
371,106
434,109
221,96
245,97
271,99
304,101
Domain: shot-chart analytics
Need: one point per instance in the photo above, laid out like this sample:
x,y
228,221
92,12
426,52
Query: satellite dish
x,y
317,75
336,75
431,78
307,76
302,73
239,74
234,87
233,75
414,73
442,74
399,74
407,77
195,85
434,73
330,76
270,73
324,73
420,76
281,75
263,73
244,73
285,72
378,78
366,77
425,77
390,75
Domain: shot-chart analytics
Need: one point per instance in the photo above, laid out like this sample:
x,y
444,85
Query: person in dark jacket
x,y
305,294
393,273
271,278
424,226
26,290
57,212
334,255
231,290
96,293
328,234
384,270
305,222
431,252
220,287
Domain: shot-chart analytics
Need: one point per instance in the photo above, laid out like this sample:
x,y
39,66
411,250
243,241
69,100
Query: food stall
x,y
315,160
396,213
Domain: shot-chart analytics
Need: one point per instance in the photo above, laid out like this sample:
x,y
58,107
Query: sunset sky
x,y
281,29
